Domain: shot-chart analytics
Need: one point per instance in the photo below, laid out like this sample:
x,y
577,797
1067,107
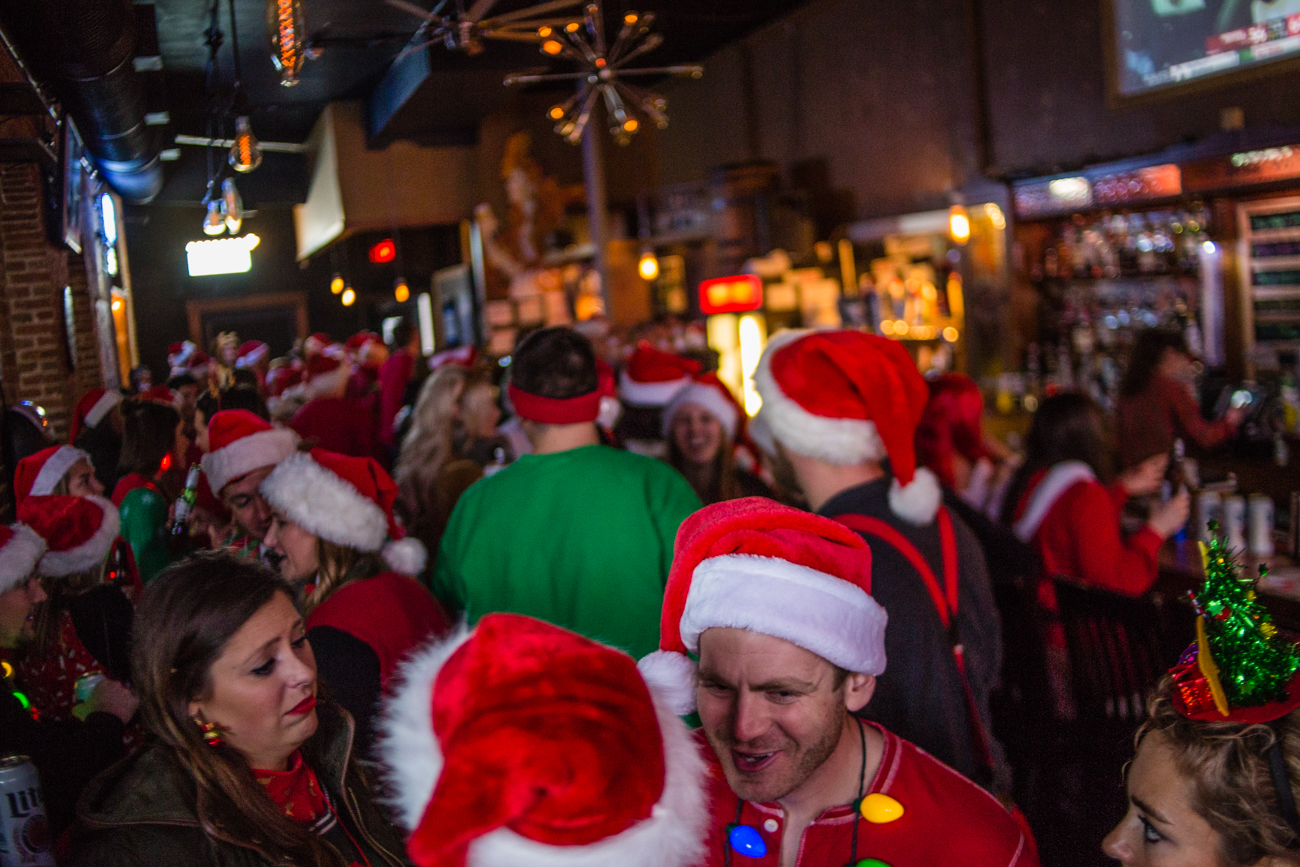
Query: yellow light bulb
x,y
552,47
402,292
950,334
648,267
630,18
349,296
544,31
959,224
556,112
630,125
572,26
117,304
336,285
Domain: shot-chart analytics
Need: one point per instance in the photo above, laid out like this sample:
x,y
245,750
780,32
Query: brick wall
x,y
33,339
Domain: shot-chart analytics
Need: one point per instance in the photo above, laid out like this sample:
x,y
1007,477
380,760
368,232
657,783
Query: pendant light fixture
x,y
286,26
214,222
245,153
232,206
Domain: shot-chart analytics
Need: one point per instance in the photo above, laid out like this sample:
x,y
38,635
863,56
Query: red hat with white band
x,y
845,397
653,377
78,531
344,500
521,744
315,343
38,474
755,564
20,550
91,409
252,353
178,357
711,393
240,442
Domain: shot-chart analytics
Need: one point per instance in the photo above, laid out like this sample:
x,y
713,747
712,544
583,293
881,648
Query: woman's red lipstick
x,y
307,705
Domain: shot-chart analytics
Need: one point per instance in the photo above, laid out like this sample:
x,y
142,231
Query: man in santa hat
x,y
576,533
521,744
779,607
650,380
242,451
839,414
254,356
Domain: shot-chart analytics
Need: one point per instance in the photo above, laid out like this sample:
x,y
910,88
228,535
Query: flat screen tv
x,y
1159,44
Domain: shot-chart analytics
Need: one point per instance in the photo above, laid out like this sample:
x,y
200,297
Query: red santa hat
x,y
78,531
461,356
178,356
344,500
240,442
200,362
711,393
160,394
251,354
20,550
278,379
326,373
845,397
653,377
36,475
358,340
315,343
522,744
758,565
91,409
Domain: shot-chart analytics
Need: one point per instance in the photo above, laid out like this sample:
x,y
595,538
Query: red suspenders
x,y
944,599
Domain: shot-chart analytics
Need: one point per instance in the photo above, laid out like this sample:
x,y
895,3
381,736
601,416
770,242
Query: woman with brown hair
x,y
334,527
249,765
452,436
703,424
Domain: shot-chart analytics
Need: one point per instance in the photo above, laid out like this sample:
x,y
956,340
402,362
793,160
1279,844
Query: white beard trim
x,y
673,836
89,553
841,441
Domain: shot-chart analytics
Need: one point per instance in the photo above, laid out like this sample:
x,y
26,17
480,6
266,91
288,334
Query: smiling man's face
x,y
772,711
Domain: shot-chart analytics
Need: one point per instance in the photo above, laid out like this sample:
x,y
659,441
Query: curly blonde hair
x,y
1232,784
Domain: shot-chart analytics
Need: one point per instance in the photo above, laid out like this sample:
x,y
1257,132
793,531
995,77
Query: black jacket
x,y
141,812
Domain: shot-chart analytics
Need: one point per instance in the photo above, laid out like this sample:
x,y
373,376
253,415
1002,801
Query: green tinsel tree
x,y
1255,663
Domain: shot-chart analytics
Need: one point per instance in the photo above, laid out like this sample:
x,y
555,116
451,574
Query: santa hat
x,y
36,475
200,362
91,409
344,500
178,356
652,377
240,442
845,397
521,744
607,388
159,394
20,550
326,374
251,354
278,379
314,344
78,531
711,393
758,565
461,356
358,340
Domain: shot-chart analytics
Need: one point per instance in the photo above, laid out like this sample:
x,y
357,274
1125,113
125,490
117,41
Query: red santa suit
x,y
975,830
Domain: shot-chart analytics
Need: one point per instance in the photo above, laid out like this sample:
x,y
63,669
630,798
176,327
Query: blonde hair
x,y
1232,785
436,437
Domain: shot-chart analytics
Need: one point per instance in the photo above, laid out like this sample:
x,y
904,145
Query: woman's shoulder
x,y
144,788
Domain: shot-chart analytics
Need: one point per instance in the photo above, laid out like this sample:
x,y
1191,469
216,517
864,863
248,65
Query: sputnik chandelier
x,y
603,73
465,30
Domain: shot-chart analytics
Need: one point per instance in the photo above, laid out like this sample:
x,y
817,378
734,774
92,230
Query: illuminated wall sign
x,y
1062,195
737,294
384,251
221,255
1244,168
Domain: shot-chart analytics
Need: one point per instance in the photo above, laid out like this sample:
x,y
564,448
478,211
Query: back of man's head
x,y
557,363
403,334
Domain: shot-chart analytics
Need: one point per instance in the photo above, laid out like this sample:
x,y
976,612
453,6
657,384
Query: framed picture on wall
x,y
74,156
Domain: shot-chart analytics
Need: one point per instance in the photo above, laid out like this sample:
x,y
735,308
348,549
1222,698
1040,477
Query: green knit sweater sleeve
x,y
144,526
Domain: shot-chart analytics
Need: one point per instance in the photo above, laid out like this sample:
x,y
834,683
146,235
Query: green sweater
x,y
582,539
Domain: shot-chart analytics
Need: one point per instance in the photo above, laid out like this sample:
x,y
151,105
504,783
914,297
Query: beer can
x,y
86,685
1234,522
1260,518
24,831
1209,507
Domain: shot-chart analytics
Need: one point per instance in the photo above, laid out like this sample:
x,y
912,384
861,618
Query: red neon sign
x,y
738,294
384,251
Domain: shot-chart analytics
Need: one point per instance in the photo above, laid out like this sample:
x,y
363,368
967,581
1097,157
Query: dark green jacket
x,y
141,812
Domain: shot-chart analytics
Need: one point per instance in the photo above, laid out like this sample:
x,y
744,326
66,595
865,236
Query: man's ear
x,y
858,689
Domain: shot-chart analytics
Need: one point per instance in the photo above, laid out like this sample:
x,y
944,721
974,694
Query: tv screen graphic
x,y
1165,43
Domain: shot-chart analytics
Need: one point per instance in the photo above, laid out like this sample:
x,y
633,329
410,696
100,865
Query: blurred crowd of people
x,y
230,599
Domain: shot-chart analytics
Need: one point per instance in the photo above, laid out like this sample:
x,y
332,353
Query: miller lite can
x,y
24,831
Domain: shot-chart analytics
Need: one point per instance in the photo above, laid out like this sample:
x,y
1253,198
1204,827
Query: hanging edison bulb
x,y
214,222
286,25
245,153
401,291
648,266
349,296
336,285
232,206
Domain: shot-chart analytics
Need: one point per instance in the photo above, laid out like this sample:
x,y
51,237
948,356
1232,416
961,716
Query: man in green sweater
x,y
577,533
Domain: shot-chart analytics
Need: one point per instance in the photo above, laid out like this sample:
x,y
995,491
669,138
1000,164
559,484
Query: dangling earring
x,y
211,734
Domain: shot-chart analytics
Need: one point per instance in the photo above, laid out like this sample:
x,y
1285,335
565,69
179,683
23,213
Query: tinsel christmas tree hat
x,y
1240,669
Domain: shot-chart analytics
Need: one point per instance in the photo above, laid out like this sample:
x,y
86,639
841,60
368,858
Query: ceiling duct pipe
x,y
84,51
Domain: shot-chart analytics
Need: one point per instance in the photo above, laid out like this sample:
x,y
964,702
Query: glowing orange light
x,y
166,463
336,285
117,304
556,112
950,334
544,31
731,294
384,251
402,292
572,26
349,296
630,18
550,46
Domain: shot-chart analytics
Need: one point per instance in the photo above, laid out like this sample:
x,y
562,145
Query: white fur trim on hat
x,y
407,556
841,441
258,355
328,384
54,469
19,556
89,553
673,676
673,836
832,617
239,458
324,504
918,501
707,396
106,402
649,393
